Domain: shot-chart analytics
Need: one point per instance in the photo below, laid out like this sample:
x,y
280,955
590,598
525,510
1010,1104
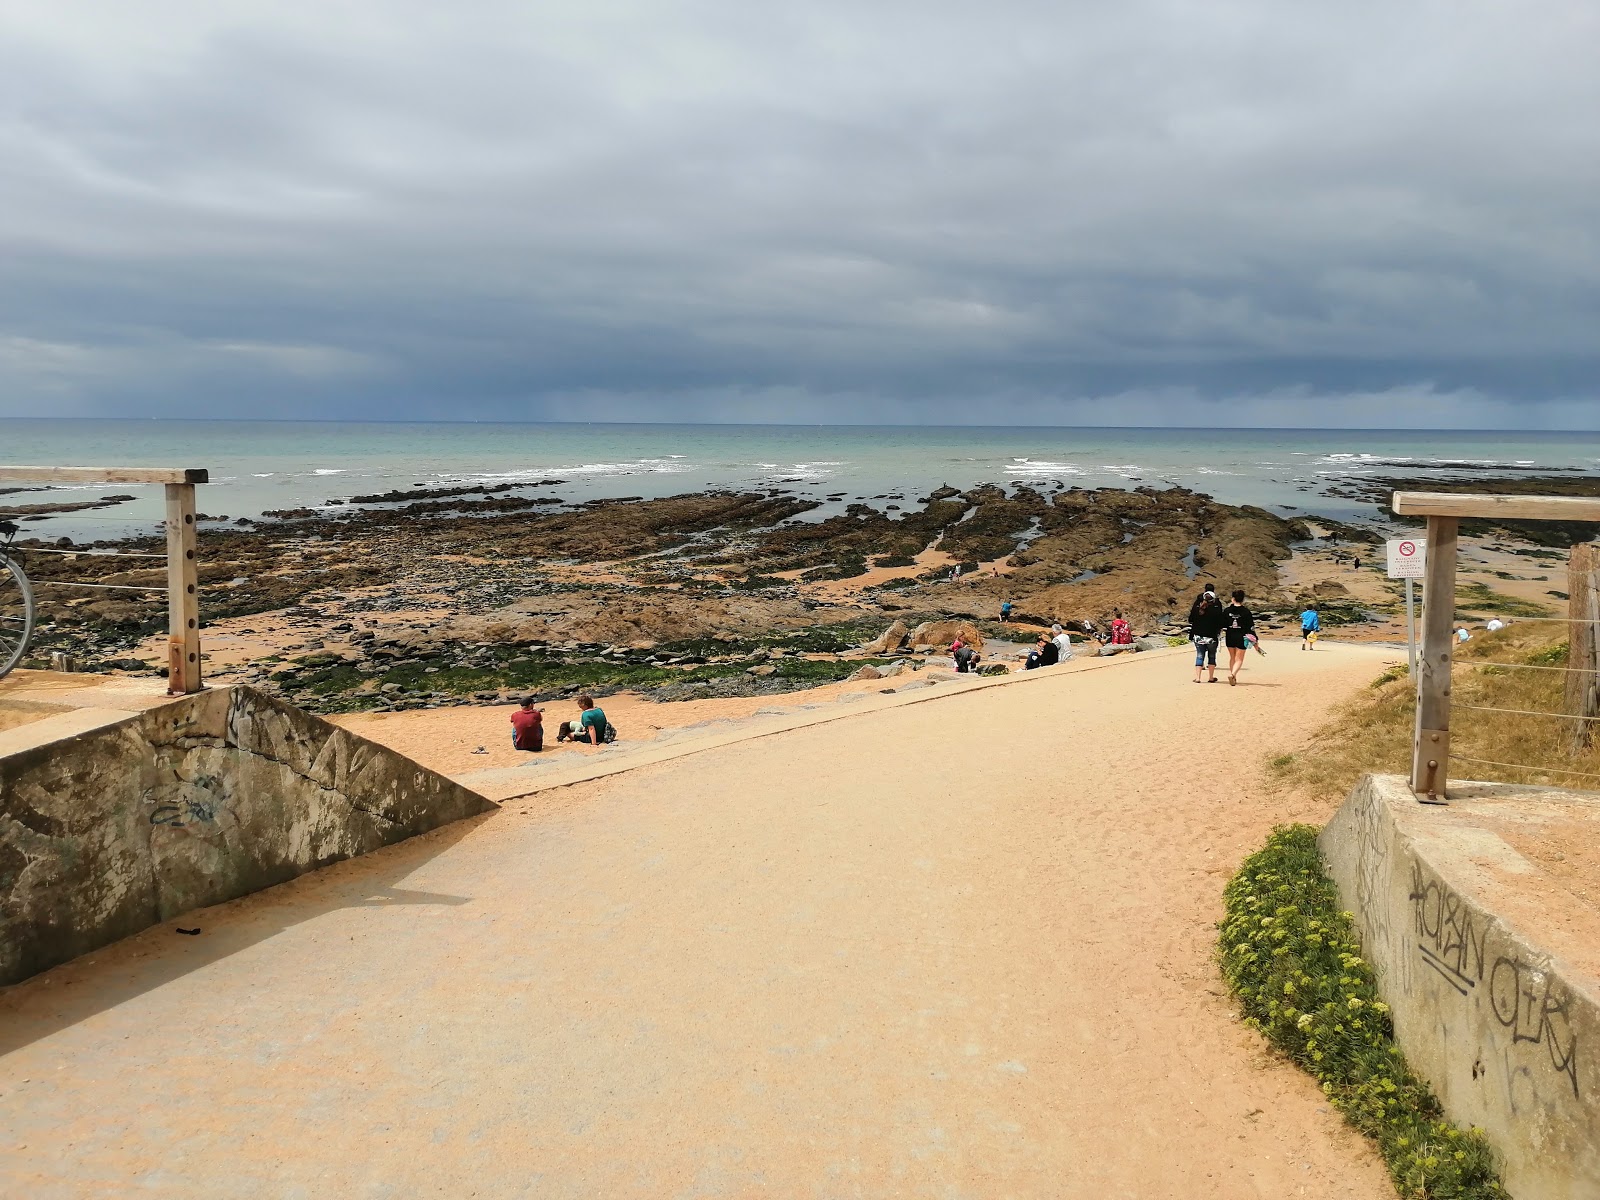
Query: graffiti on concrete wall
x,y
1533,1005
1449,932
1454,941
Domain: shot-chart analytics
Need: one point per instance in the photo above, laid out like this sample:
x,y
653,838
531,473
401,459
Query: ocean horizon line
x,y
1166,428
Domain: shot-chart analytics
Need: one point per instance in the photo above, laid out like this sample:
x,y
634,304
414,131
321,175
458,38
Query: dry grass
x,y
1373,731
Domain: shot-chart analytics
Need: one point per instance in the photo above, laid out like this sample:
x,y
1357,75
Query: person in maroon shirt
x,y
527,727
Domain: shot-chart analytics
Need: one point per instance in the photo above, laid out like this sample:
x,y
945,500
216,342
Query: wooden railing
x,y
183,600
1430,746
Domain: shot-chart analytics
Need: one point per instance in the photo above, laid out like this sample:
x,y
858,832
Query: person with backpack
x,y
1310,627
527,726
1238,623
1205,631
590,728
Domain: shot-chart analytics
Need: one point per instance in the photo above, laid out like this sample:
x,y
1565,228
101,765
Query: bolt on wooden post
x,y
183,598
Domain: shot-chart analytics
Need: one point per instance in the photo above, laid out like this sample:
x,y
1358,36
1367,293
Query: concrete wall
x,y
1487,962
105,832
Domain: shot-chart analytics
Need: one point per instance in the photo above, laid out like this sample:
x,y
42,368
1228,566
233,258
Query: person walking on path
x,y
1238,623
1205,630
1310,627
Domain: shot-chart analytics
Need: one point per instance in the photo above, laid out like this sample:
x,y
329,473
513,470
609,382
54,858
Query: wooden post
x,y
1430,746
183,599
1583,656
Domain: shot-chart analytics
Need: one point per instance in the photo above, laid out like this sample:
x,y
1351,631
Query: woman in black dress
x,y
1238,623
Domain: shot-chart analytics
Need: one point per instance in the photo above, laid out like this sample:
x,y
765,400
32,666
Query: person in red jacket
x,y
527,727
1121,631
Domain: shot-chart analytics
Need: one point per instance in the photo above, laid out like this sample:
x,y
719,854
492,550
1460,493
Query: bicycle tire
x,y
16,615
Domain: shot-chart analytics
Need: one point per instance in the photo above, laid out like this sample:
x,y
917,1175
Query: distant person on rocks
x,y
591,727
1205,630
527,726
1238,623
1496,623
1005,612
1063,641
1121,631
1462,635
1310,627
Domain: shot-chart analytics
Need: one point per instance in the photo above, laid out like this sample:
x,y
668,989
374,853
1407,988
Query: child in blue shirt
x,y
1310,626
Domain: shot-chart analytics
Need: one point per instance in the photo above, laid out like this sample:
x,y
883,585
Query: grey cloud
x,y
725,211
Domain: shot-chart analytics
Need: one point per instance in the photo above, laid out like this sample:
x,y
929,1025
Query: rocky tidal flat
x,y
463,595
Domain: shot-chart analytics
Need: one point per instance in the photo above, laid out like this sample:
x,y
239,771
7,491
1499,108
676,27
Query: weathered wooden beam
x,y
1430,744
107,474
1506,508
183,598
1583,656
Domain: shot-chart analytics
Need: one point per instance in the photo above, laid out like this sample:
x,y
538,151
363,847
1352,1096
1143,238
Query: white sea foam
x,y
329,471
1027,466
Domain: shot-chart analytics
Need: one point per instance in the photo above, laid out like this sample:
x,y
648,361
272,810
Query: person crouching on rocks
x,y
527,726
590,728
966,657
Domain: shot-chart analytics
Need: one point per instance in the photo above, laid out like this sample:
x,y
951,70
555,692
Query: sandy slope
x,y
957,948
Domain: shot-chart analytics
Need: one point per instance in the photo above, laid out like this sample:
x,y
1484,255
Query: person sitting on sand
x,y
590,727
527,726
1310,627
1063,641
1121,631
1044,653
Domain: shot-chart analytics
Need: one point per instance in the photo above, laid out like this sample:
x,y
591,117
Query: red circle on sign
x,y
1407,549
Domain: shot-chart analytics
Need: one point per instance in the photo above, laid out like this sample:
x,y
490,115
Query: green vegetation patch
x,y
1480,597
330,684
1293,958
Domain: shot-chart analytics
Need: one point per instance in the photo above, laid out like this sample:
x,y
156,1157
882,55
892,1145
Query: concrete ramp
x,y
1482,920
112,821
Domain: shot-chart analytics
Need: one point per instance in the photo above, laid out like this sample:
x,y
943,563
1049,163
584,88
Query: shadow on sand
x,y
102,979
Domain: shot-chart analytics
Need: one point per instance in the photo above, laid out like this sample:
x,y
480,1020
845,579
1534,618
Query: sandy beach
x,y
856,955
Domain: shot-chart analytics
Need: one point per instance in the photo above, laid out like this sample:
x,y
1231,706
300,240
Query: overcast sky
x,y
1062,212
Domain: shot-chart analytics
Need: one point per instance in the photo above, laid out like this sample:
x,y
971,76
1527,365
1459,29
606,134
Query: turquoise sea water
x,y
264,465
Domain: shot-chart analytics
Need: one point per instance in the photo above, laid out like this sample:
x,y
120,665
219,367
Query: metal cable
x,y
93,553
1486,662
1489,762
103,587
1524,712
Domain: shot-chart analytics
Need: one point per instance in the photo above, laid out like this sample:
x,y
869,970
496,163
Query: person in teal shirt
x,y
590,728
1310,626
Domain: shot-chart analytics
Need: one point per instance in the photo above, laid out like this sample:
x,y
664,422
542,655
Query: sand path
x,y
958,948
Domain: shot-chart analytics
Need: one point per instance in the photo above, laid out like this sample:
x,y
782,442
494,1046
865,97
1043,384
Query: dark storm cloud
x,y
1335,214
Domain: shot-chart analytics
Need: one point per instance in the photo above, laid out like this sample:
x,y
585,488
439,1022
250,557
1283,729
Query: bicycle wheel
x,y
16,614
